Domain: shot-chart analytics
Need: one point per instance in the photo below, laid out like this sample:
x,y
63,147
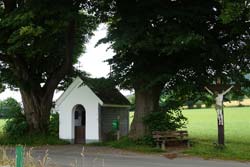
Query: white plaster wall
x,y
84,96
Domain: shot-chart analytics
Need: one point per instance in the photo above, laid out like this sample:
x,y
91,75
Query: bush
x,y
16,126
10,108
163,121
54,125
198,104
146,140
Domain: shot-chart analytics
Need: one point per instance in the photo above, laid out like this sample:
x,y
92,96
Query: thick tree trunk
x,y
37,110
146,101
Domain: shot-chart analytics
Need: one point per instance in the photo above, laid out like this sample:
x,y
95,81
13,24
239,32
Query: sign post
x,y
19,156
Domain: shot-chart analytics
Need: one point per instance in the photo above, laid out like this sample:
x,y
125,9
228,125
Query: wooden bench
x,y
164,137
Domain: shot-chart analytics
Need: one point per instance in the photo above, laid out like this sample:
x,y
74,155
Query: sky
x,y
92,62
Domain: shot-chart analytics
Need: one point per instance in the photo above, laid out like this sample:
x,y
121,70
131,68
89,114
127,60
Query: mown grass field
x,y
202,124
202,128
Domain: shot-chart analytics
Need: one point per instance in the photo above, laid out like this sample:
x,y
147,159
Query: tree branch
x,y
66,67
5,58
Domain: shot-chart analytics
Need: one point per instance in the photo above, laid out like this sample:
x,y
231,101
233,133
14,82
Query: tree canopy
x,y
176,43
39,42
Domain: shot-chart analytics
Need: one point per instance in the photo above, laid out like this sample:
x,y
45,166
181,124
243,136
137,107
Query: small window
x,y
76,114
83,119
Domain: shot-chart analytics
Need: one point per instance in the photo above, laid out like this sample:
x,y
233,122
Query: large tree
x,y
153,41
39,42
166,43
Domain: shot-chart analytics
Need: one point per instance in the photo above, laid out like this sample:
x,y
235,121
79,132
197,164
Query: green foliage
x,y
185,42
2,123
17,126
233,10
54,125
163,121
31,140
10,108
146,140
147,34
208,100
35,32
39,43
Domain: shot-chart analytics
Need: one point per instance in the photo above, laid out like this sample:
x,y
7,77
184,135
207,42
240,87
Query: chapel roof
x,y
106,91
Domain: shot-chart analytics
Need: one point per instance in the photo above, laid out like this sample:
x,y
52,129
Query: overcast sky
x,y
92,61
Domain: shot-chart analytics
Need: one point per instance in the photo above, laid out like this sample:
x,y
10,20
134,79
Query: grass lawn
x,y
202,127
2,122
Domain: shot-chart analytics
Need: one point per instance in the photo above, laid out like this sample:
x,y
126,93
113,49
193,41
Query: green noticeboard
x,y
115,124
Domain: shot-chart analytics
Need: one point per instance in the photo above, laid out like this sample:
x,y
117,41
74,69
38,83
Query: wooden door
x,y
79,134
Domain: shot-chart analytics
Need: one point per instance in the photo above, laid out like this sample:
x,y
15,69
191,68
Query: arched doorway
x,y
79,115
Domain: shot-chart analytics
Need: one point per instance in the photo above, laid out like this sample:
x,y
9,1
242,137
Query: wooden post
x,y
221,139
221,136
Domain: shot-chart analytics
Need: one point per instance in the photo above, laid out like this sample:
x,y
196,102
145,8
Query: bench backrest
x,y
169,134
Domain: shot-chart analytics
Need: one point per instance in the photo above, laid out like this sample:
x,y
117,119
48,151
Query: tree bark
x,y
146,101
37,110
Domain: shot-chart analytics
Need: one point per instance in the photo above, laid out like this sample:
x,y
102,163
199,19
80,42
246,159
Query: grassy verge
x,y
130,145
34,140
202,128
208,150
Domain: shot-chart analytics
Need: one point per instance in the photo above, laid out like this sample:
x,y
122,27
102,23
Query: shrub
x,y
10,108
54,125
16,126
198,104
146,140
163,121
